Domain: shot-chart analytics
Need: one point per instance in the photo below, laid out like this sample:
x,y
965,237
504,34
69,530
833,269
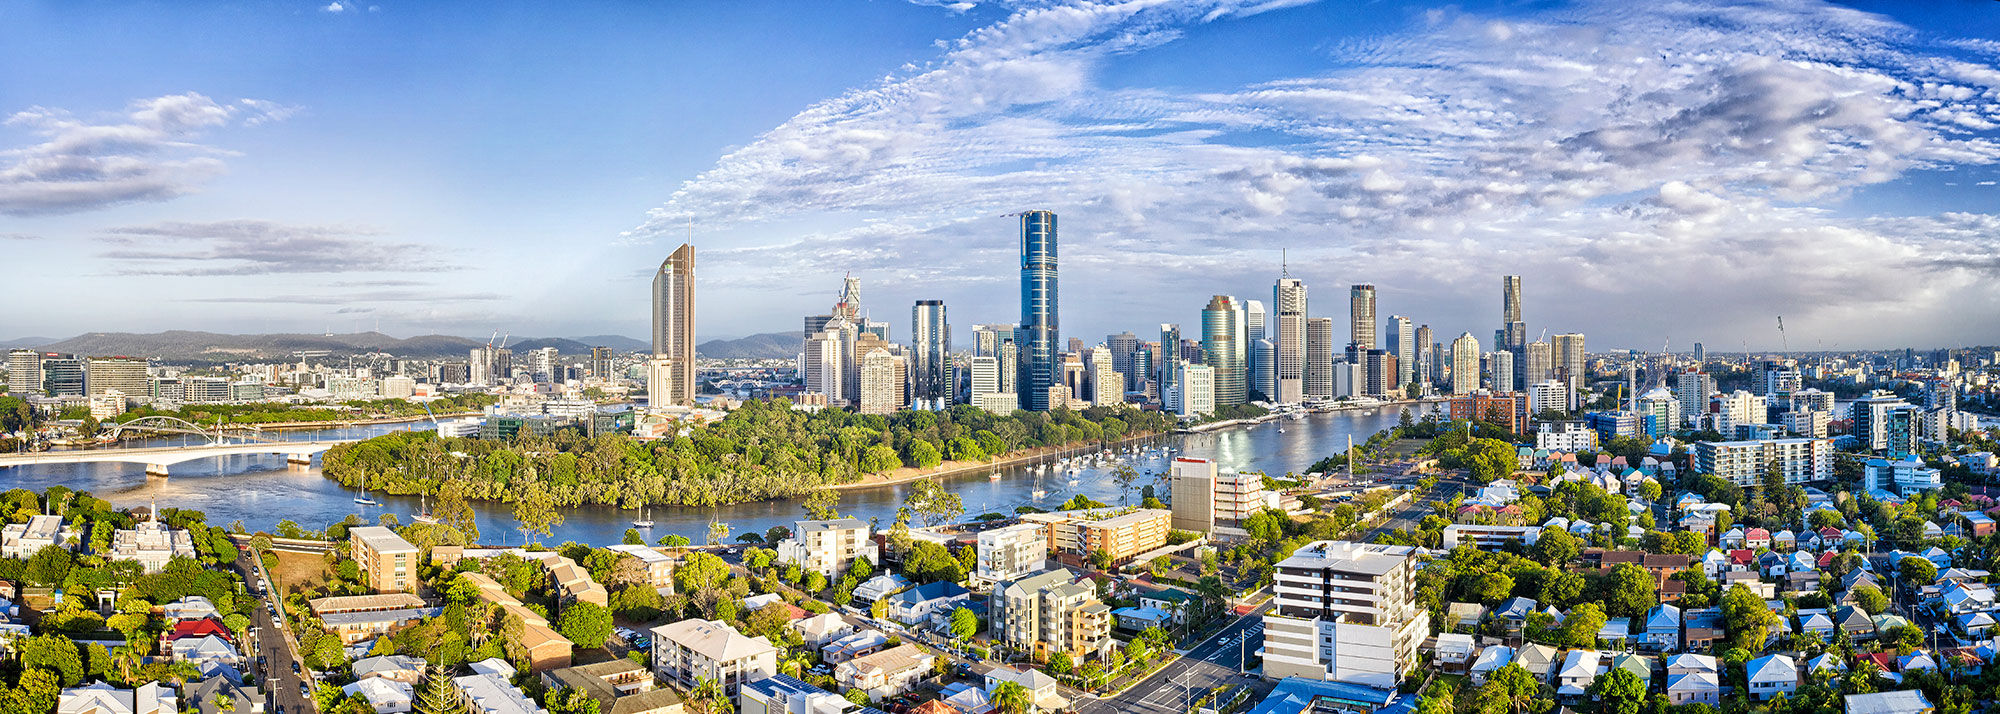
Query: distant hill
x,y
25,342
618,343
190,346
769,345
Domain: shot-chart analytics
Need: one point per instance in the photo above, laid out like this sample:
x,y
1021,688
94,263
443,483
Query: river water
x,y
262,490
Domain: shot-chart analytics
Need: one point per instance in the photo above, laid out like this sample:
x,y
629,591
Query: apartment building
x,y
1049,612
1213,501
388,561
1744,462
828,547
1122,533
687,651
1011,553
152,545
571,582
781,694
620,686
547,648
23,540
1345,612
659,567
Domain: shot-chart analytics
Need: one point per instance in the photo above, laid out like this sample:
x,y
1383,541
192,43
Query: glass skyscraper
x,y
1223,349
1036,336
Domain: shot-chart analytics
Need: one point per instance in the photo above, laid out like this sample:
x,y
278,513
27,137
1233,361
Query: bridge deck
x,y
166,455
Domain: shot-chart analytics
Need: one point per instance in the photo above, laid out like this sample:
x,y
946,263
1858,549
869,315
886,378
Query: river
x,y
262,490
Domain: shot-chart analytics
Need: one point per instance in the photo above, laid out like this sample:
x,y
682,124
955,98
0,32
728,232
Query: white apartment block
x,y
1810,424
1743,462
1488,537
23,540
1193,390
687,651
1345,612
1548,395
1207,499
151,544
1011,553
1566,436
1738,407
828,547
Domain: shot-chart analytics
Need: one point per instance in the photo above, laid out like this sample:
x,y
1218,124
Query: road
x,y
280,686
1212,663
1407,516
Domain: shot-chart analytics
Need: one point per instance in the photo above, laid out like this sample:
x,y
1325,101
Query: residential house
x,y
1855,622
490,690
387,696
1453,653
931,602
102,698
878,587
620,686
399,668
1579,669
690,650
1818,622
1640,667
886,673
1663,627
1755,538
1464,616
203,649
208,694
1902,701
823,628
1492,658
859,644
1041,687
1538,659
1701,628
1771,675
1694,688
780,694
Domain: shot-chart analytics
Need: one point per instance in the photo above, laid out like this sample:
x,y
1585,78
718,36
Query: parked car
x,y
295,668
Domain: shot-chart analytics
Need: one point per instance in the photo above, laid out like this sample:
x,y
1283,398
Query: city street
x,y
1407,516
1210,664
280,685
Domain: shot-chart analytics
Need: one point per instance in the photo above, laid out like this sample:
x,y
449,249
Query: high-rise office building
x,y
930,348
1262,353
1257,369
1170,352
24,372
1700,353
1107,384
1223,350
1510,299
1319,357
1379,368
1403,344
601,365
1540,364
1568,355
62,376
1464,364
1421,371
1036,337
671,370
125,374
1123,346
1189,390
1361,317
1288,340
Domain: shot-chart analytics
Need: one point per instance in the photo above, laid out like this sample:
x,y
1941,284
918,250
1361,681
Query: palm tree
x,y
1012,698
795,664
708,698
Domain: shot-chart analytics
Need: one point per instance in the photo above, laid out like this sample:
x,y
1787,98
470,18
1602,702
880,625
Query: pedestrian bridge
x,y
157,459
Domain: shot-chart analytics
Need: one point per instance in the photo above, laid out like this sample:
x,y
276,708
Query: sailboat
x,y
644,521
423,514
362,497
993,476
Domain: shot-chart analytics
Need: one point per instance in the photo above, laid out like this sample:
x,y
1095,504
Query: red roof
x,y
1756,533
1826,558
1742,556
197,628
1829,532
1886,661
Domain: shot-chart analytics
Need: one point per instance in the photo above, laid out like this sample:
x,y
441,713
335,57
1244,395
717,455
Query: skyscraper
x,y
1258,368
1501,365
930,347
601,365
1422,370
1567,353
1036,337
1361,316
1122,346
1464,364
1540,365
125,374
1288,341
1513,335
1510,300
1223,349
1700,353
24,372
62,376
1170,352
670,372
1319,357
1403,344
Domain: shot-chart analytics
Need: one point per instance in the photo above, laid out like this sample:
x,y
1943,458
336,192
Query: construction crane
x,y
1784,341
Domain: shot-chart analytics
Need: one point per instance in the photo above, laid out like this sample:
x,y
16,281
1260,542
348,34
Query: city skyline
x,y
1848,190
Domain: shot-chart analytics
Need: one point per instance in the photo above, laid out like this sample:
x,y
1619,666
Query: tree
x,y
1012,698
54,653
567,700
587,624
1556,547
700,571
1266,525
1491,588
1061,664
1618,692
708,697
717,532
860,698
964,624
930,501
632,537
1748,619
535,507
1870,598
675,540
452,510
1916,571
1629,591
1124,475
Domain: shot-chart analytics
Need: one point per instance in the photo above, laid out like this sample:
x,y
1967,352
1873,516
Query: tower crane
x,y
1784,341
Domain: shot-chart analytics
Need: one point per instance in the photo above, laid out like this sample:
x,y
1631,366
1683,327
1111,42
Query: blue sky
x,y
1676,169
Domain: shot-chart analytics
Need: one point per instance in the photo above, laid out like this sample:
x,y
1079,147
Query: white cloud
x,y
150,152
336,7
1644,153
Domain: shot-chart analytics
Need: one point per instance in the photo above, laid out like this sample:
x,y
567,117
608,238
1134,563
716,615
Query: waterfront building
x,y
930,351
1257,368
1213,501
23,540
671,371
1464,364
1380,368
1319,352
1361,317
823,365
151,544
1422,370
1223,349
1289,341
688,651
884,375
828,547
1011,553
1107,385
1743,462
1036,335
24,372
1120,533
388,562
1345,612
1349,379
658,566
1170,356
1050,612
1192,390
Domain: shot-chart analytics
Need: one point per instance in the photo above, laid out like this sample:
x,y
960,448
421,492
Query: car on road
x,y
295,668
281,709
305,689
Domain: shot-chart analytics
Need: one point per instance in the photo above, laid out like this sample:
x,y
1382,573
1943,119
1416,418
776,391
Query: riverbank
x,y
909,474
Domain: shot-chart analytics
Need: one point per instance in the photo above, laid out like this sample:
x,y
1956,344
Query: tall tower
x,y
1464,364
670,372
1510,300
1568,353
1170,353
1257,363
1361,315
1036,337
1223,350
1403,344
1288,343
1319,357
930,343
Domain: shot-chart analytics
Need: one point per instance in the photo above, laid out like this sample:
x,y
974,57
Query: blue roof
x,y
1296,695
931,591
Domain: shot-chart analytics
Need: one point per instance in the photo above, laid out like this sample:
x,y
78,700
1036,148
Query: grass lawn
x,y
299,572
1404,448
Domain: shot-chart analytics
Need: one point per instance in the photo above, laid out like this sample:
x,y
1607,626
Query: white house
x,y
1579,669
1771,675
387,696
102,698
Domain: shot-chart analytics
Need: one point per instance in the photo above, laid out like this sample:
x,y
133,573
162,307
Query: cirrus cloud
x,y
149,152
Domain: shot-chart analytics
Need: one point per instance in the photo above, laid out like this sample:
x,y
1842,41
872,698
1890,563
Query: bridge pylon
x,y
156,470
